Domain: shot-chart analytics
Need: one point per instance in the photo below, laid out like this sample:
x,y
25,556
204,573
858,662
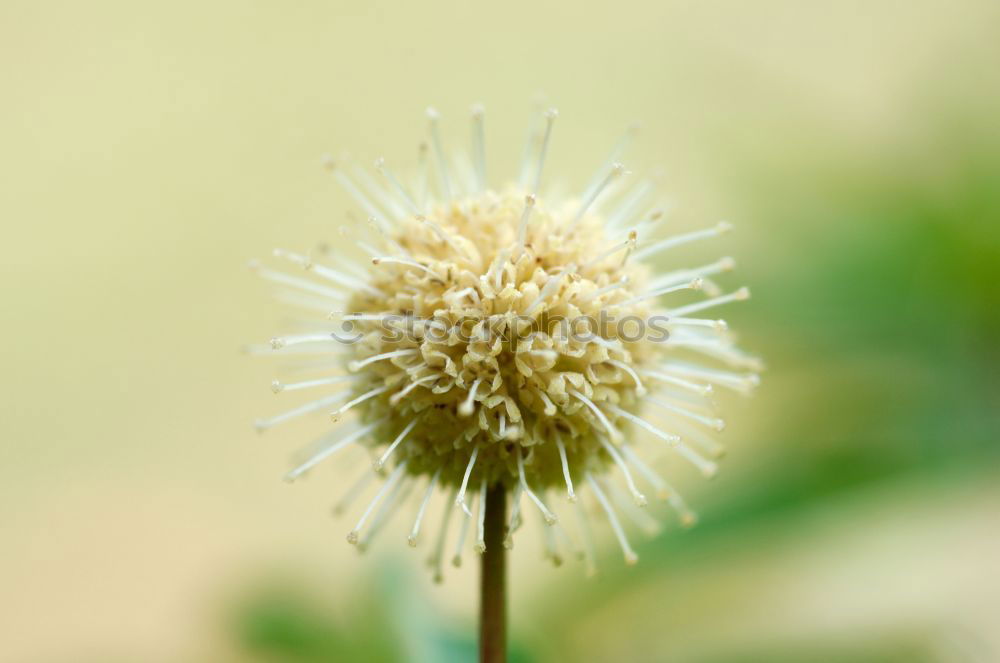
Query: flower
x,y
501,336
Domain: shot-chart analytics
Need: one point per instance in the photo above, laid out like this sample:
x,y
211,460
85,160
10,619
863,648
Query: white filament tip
x,y
727,264
276,387
551,114
377,464
640,499
479,548
477,110
463,506
277,343
352,537
689,520
742,294
529,200
721,325
723,227
631,558
697,283
353,366
328,162
465,409
411,541
432,113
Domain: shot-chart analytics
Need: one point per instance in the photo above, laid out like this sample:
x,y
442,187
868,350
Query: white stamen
x,y
694,284
741,382
712,422
380,461
415,530
456,559
329,450
470,291
522,228
627,244
404,194
550,407
663,489
628,206
326,272
443,236
666,437
707,467
639,498
397,496
670,278
515,516
352,493
279,342
401,394
550,287
550,517
301,284
659,484
382,195
700,389
479,145
497,269
639,517
550,550
381,260
438,557
550,118
587,537
387,318
460,500
565,468
740,295
480,545
640,389
336,414
694,434
615,434
433,116
609,163
358,365
466,408
352,536
716,325
606,289
630,556
677,240
349,186
278,387
425,174
617,171
312,406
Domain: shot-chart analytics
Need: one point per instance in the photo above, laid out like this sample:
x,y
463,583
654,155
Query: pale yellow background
x,y
149,150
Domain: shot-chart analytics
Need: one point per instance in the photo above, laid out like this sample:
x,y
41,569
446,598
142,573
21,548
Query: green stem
x,y
493,581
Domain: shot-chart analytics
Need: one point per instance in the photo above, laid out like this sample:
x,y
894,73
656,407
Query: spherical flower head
x,y
500,337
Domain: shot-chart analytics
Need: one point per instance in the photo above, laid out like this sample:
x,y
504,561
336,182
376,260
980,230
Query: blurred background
x,y
151,149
